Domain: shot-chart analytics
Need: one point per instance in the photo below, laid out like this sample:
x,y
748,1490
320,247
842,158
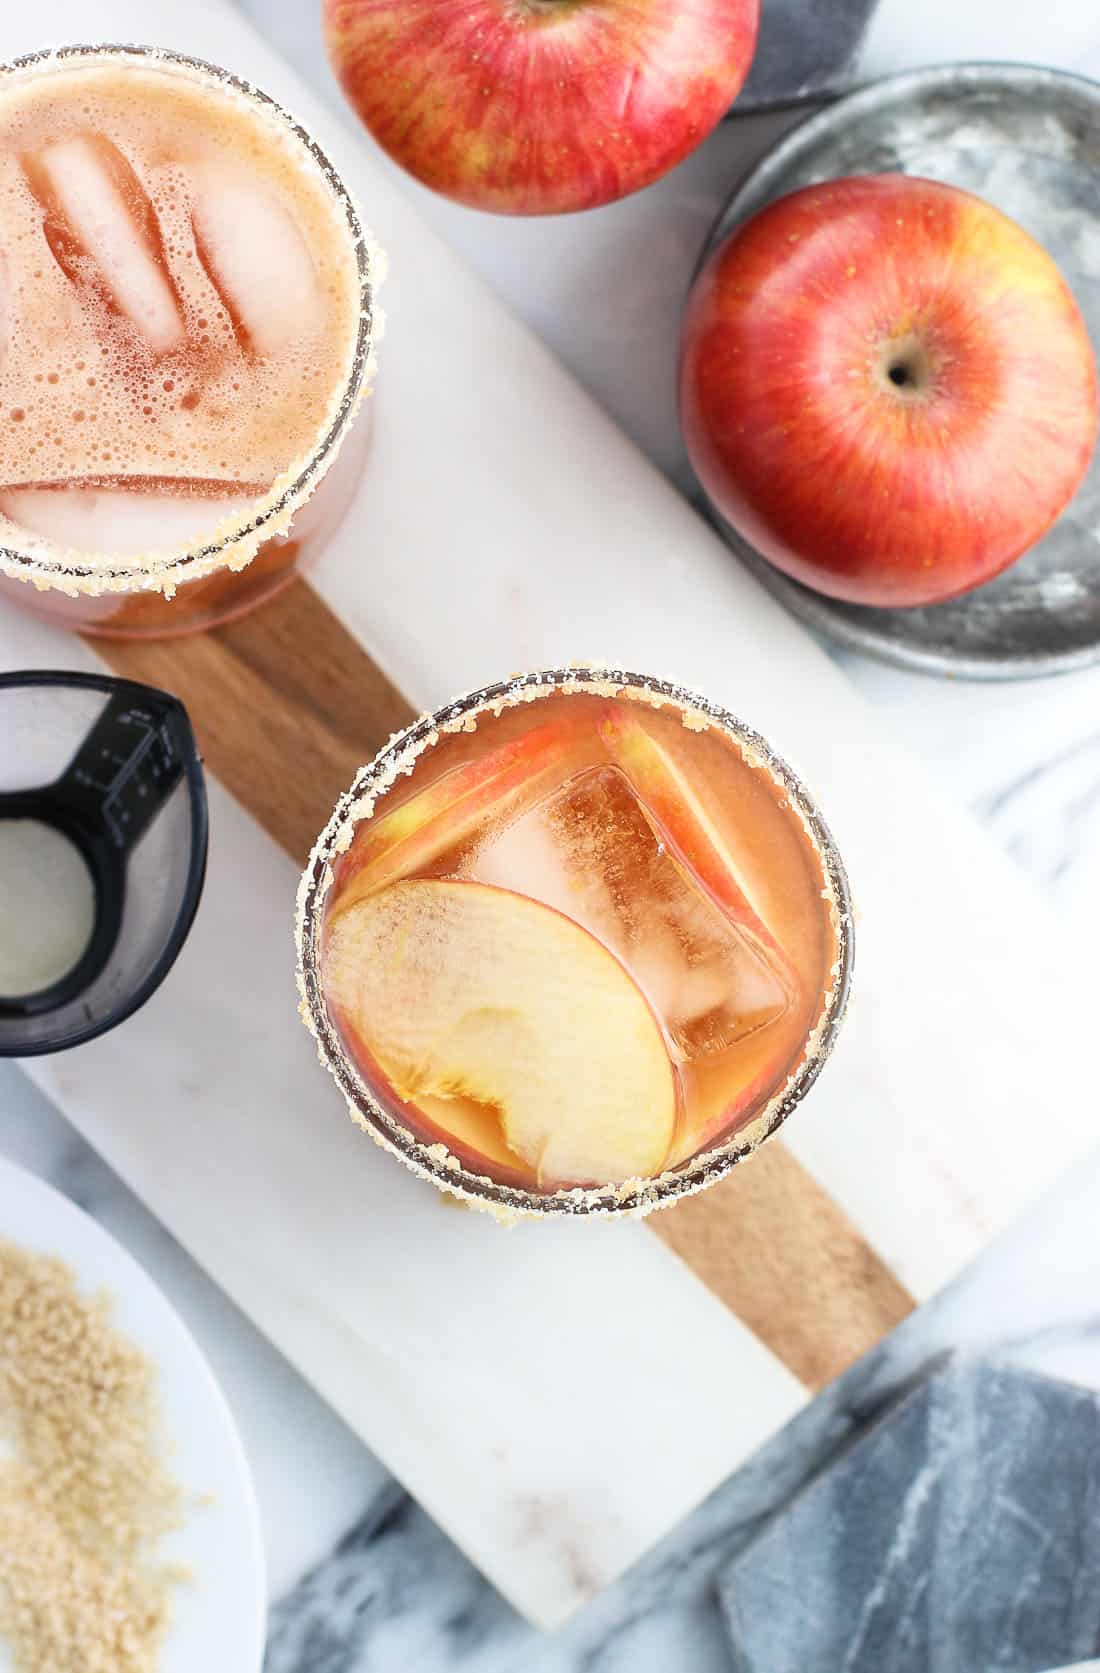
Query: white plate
x,y
218,1617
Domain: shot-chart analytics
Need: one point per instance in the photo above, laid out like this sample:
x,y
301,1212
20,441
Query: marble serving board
x,y
559,1396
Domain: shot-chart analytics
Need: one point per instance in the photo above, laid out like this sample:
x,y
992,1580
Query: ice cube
x,y
147,515
591,852
102,228
432,829
5,305
258,262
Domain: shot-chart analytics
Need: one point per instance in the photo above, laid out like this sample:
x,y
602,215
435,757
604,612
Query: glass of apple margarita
x,y
187,332
576,943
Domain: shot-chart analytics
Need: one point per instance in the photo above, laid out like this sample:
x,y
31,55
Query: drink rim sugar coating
x,y
434,1161
234,542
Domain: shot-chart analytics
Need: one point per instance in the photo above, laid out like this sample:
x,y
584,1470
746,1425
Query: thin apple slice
x,y
450,810
684,825
462,990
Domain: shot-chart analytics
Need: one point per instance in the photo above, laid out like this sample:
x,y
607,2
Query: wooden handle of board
x,y
774,1246
287,706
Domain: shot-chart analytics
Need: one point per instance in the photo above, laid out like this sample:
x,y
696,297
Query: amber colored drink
x,y
579,942
185,334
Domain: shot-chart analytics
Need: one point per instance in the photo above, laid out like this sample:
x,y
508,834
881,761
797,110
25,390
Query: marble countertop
x,y
361,1580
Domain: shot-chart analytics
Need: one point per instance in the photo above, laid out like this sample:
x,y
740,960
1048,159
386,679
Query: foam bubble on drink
x,y
5,305
182,299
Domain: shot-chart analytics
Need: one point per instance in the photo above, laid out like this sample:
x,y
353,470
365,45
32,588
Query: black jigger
x,y
103,833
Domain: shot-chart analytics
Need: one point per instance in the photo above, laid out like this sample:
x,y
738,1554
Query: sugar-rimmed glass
x,y
435,1161
197,587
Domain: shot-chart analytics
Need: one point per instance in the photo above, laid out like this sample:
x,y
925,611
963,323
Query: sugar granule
x,y
85,1496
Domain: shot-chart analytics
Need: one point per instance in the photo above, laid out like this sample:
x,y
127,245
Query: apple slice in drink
x,y
684,825
458,989
450,810
468,1130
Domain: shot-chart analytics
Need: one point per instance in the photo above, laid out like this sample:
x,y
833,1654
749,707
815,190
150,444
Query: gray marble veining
x,y
959,1533
396,1593
1048,818
973,1464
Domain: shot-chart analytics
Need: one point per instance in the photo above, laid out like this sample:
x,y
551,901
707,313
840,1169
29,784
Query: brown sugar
x,y
85,1496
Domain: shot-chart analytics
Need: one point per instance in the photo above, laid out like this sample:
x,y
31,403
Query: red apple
x,y
533,107
887,388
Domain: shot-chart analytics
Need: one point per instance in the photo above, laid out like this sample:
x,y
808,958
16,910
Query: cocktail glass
x,y
624,883
253,554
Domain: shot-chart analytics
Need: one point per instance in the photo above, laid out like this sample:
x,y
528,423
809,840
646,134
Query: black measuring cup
x,y
103,835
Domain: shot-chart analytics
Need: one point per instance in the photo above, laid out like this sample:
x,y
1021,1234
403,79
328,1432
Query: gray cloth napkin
x,y
960,1532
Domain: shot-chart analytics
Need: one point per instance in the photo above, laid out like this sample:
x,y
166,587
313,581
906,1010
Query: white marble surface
x,y
605,290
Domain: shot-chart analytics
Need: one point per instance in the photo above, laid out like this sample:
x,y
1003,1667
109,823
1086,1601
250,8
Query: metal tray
x,y
1028,140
